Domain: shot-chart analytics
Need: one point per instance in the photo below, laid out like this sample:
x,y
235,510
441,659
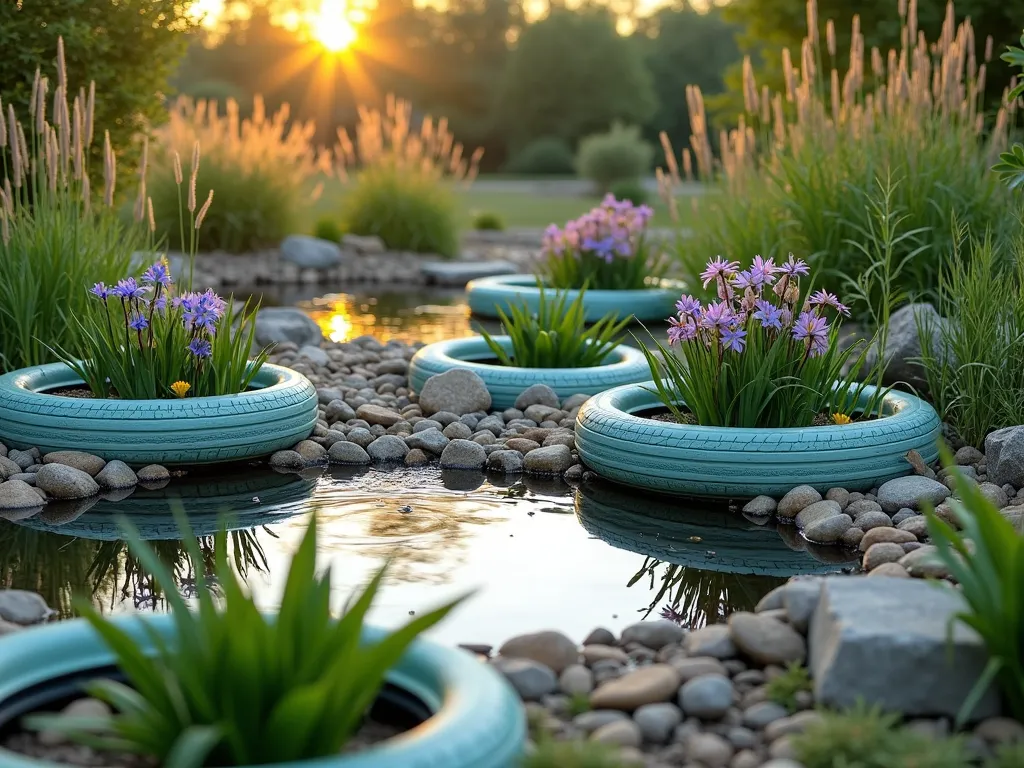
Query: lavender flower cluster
x,y
745,304
142,300
609,231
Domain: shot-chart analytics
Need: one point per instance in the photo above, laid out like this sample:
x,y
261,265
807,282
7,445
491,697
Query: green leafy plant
x,y
56,234
260,167
618,155
793,176
579,703
974,359
784,688
1007,756
327,228
557,336
488,220
607,248
629,190
546,156
864,737
989,572
573,754
230,686
1011,164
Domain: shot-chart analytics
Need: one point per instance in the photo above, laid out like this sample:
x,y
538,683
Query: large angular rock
x,y
278,324
1004,450
310,252
903,343
884,640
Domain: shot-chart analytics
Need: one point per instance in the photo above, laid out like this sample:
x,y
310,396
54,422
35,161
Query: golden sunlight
x,y
331,26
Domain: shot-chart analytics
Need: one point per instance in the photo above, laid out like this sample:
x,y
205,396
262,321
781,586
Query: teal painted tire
x,y
505,383
279,411
486,295
478,721
699,537
741,463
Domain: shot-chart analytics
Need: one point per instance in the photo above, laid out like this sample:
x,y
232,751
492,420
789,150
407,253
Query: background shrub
x,y
487,220
327,228
258,168
630,189
548,156
618,155
409,211
799,179
130,60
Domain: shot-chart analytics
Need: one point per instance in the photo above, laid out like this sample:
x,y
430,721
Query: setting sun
x,y
331,26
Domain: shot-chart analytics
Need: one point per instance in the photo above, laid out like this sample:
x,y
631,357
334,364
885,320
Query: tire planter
x,y
711,539
741,463
505,383
476,720
262,498
486,295
278,411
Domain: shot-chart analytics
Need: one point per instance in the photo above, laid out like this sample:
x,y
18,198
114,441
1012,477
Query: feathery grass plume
x,y
109,170
798,184
204,210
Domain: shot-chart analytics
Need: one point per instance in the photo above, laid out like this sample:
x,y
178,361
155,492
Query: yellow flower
x,y
840,418
180,388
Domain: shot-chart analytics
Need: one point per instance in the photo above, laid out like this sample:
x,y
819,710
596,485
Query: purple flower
x,y
603,247
718,268
138,323
200,348
744,280
100,290
687,305
717,315
768,314
826,299
671,614
763,272
680,331
128,289
157,274
734,339
794,268
160,304
813,329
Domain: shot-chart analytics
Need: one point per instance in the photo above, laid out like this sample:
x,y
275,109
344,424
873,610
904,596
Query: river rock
x,y
416,458
314,354
766,640
866,521
17,494
286,461
829,530
377,414
156,473
892,570
646,685
759,506
714,640
458,391
761,714
80,460
552,649
505,461
799,599
537,394
387,448
624,733
797,499
344,452
709,749
63,482
550,460
429,440
657,721
816,512
879,535
911,492
21,607
882,552
885,641
531,679
707,697
924,563
116,475
917,525
576,680
653,634
463,454
280,324
310,252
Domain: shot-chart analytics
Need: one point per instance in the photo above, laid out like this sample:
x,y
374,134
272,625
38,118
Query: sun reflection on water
x,y
343,317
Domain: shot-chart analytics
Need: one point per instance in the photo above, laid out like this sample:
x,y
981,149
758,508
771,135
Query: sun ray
x,y
332,27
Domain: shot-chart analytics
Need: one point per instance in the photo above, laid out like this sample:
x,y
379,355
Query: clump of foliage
x,y
784,688
573,754
765,354
56,234
129,63
794,174
1007,756
327,228
579,703
546,156
488,221
232,687
402,178
606,248
974,359
629,190
260,167
989,572
557,336
868,738
618,155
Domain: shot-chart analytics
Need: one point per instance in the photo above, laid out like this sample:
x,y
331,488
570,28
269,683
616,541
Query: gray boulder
x,y
551,460
17,494
344,452
310,252
278,324
64,482
387,448
537,394
458,391
884,640
463,454
458,273
910,492
1004,450
903,343
430,440
116,475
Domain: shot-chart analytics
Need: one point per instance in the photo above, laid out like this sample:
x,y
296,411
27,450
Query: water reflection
x,y
408,316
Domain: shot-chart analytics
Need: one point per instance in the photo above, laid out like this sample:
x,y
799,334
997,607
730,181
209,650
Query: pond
x,y
535,555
